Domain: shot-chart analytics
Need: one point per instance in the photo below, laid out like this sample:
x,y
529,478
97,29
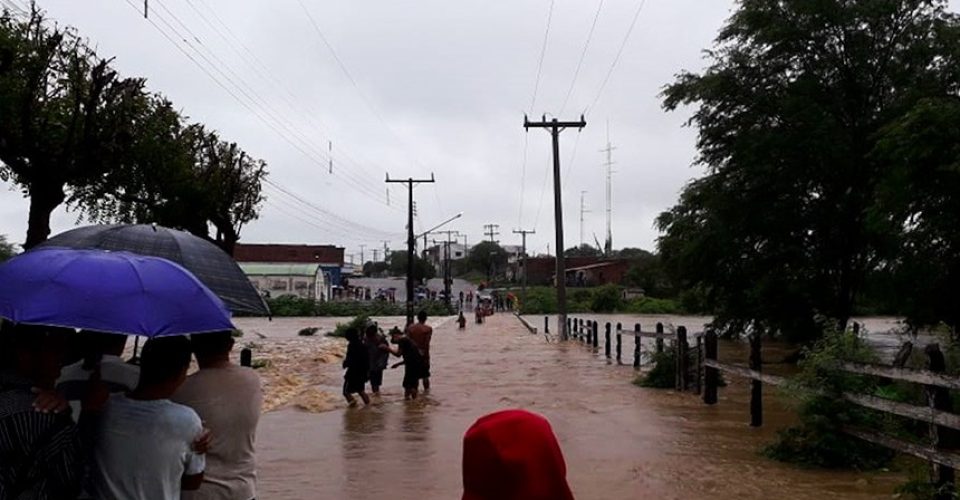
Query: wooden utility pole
x,y
411,241
583,210
523,234
555,126
491,231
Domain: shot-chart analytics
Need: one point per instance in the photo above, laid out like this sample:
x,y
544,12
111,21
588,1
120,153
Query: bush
x,y
606,299
663,375
359,323
818,440
308,331
293,306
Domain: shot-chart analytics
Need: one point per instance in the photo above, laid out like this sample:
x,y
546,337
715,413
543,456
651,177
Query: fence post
x,y
710,374
681,352
619,328
546,324
246,357
699,365
942,437
636,346
580,329
607,346
659,340
756,387
596,335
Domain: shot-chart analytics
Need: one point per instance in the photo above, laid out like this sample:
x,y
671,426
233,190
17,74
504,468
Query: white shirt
x,y
143,449
117,374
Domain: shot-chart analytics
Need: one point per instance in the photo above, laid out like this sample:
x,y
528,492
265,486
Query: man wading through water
x,y
420,333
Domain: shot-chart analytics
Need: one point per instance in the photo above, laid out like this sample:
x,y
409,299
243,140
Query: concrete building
x,y
435,254
581,271
305,281
328,257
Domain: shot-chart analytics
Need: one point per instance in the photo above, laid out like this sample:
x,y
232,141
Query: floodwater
x,y
620,441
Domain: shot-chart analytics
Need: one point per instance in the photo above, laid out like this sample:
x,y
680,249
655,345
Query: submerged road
x,y
620,441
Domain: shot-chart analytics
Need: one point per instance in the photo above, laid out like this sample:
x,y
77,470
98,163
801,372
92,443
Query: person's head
x,y
211,347
513,455
372,331
352,335
395,335
164,362
422,316
36,352
94,345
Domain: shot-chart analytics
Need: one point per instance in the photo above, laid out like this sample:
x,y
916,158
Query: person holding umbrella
x,y
125,294
40,452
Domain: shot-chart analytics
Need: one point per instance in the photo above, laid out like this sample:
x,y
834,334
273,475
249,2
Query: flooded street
x,y
620,441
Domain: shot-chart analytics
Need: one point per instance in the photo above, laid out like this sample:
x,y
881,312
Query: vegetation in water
x,y
663,374
288,305
358,323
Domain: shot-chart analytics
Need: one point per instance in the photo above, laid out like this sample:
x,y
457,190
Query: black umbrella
x,y
210,264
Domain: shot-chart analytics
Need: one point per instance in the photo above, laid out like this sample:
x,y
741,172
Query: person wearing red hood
x,y
513,455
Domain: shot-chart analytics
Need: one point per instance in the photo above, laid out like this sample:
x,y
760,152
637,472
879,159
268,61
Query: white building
x,y
435,254
306,281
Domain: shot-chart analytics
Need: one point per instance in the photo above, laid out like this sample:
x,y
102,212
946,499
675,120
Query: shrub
x,y
663,375
606,299
308,331
818,440
359,323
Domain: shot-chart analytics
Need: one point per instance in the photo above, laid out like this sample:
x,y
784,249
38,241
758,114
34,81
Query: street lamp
x,y
438,226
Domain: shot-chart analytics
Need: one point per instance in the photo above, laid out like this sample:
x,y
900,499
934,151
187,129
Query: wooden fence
x,y
698,370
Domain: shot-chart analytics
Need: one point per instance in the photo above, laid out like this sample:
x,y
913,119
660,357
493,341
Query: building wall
x,y
303,254
540,269
303,287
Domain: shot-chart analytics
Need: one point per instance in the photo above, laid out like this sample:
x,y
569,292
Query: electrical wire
x,y
583,55
616,59
543,52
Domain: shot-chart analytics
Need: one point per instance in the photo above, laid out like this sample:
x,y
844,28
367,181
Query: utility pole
x,y
362,261
491,230
555,126
386,250
608,244
447,274
375,252
523,234
411,241
583,210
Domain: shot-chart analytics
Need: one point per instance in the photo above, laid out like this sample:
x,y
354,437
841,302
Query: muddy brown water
x,y
620,441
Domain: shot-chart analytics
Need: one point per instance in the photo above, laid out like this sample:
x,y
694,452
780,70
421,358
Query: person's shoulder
x,y
182,415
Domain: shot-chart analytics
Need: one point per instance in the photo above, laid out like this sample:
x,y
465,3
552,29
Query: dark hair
x,y
422,316
211,344
352,335
163,359
372,329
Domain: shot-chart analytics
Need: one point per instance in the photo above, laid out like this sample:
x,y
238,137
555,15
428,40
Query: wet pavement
x,y
619,440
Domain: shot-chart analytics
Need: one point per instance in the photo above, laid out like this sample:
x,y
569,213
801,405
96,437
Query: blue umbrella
x,y
115,292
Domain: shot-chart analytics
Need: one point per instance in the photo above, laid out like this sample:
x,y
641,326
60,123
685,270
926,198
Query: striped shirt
x,y
39,452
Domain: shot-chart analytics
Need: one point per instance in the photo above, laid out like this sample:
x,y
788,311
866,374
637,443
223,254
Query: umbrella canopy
x,y
206,261
116,292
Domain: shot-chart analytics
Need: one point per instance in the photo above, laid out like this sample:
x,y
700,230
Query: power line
x,y
616,59
343,67
242,102
261,70
583,55
243,86
543,51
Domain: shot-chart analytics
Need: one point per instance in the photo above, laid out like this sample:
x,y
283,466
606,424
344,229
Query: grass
x,y
605,299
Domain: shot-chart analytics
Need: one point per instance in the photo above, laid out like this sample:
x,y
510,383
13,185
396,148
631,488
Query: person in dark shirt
x,y
413,362
40,455
378,357
357,363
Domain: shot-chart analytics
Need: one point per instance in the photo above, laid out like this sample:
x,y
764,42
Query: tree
x,y
64,114
632,253
7,249
647,272
583,250
487,257
785,227
422,269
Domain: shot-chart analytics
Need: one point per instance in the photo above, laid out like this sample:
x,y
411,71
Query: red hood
x,y
513,454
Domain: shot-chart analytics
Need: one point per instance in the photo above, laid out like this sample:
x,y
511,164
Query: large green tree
x,y
785,225
422,269
64,114
487,257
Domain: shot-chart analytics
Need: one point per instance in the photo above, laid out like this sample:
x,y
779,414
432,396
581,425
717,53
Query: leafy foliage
x,y
7,249
583,250
797,115
818,440
663,374
606,299
72,130
291,306
487,257
358,323
422,269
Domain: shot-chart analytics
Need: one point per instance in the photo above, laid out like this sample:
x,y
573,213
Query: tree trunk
x,y
43,200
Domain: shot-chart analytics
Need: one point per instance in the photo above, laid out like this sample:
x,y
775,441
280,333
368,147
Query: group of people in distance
x,y
80,423
368,356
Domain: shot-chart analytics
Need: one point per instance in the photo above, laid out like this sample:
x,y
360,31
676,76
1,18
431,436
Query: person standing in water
x,y
357,363
412,361
374,342
421,333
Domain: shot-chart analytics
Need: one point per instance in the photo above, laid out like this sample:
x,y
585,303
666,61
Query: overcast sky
x,y
421,87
